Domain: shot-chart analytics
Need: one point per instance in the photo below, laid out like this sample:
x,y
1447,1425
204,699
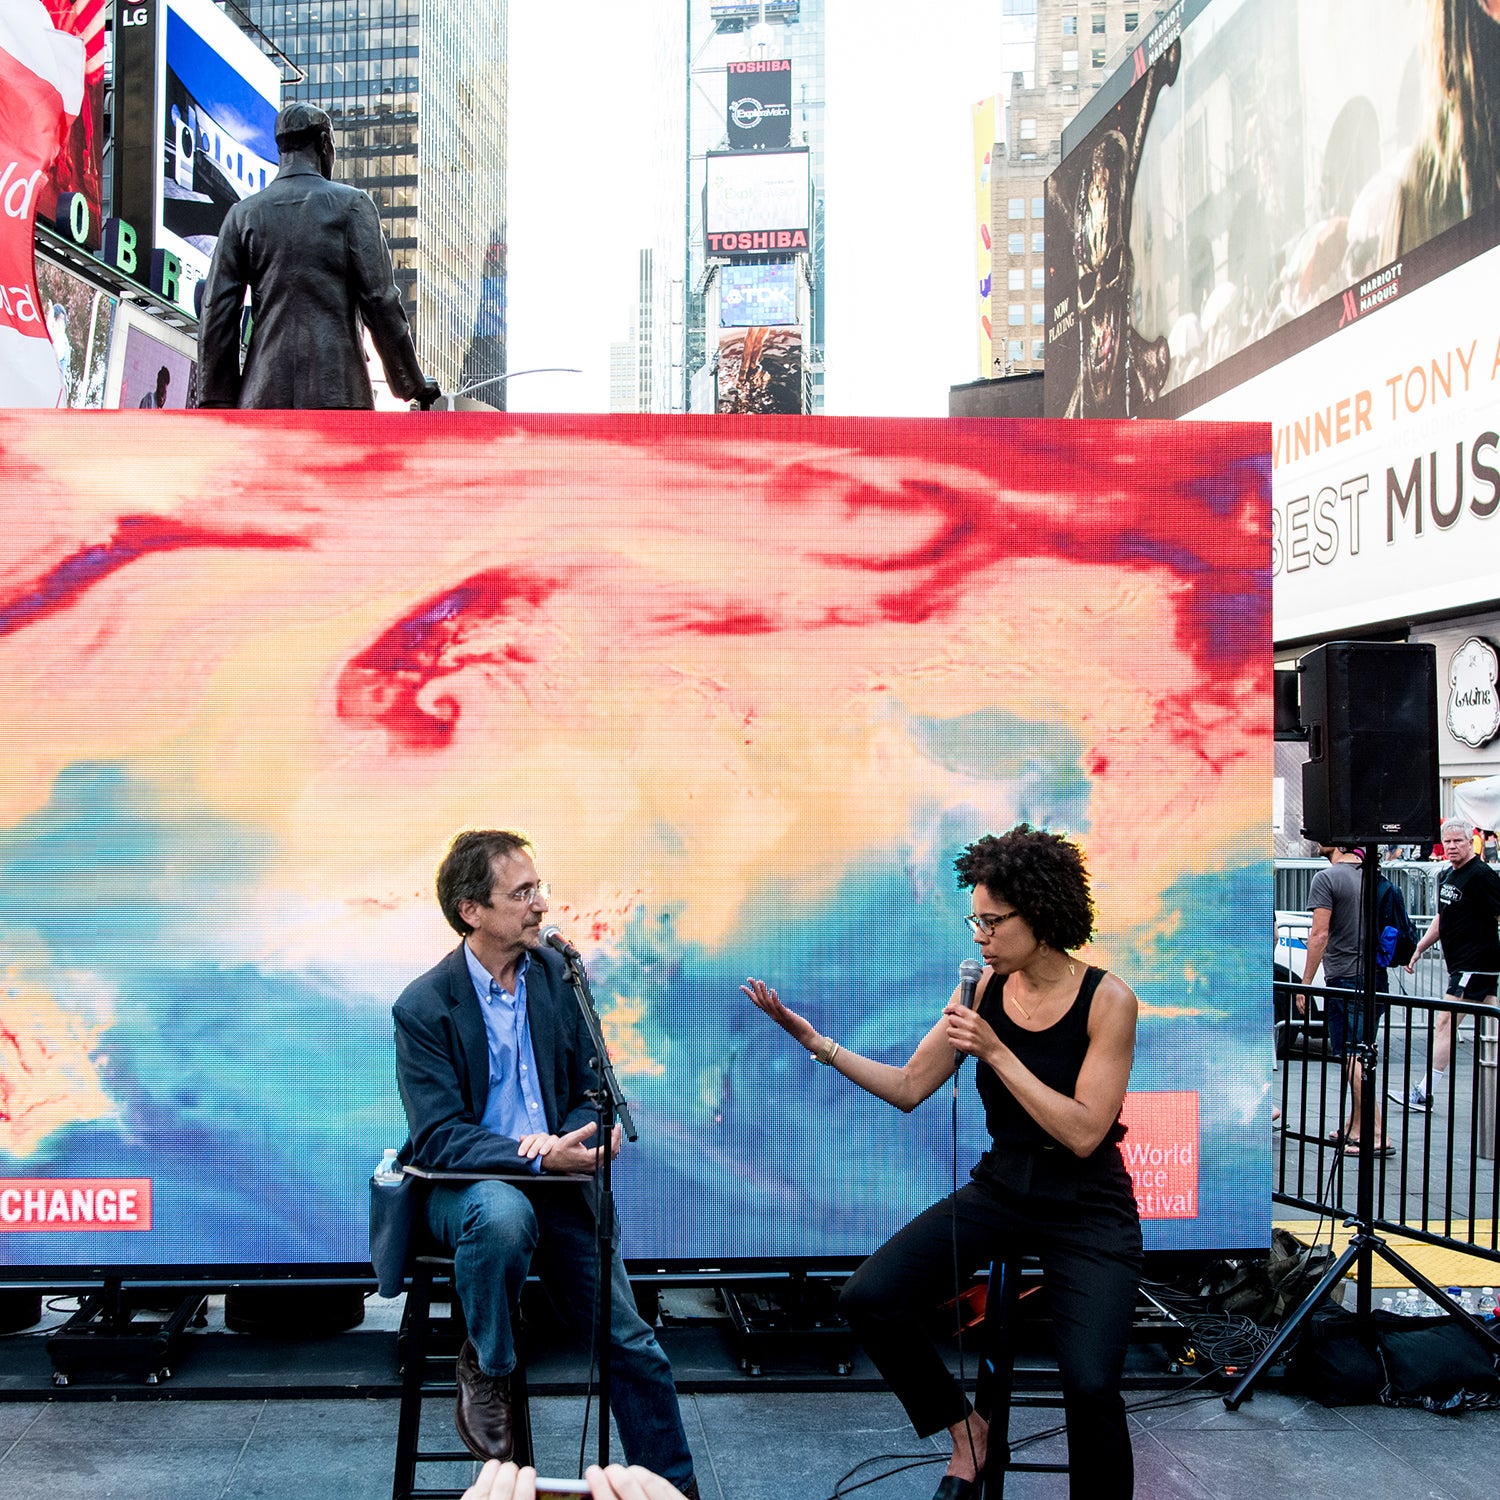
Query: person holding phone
x,y
1053,1039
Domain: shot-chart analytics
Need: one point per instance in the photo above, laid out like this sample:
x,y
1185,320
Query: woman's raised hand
x,y
799,1028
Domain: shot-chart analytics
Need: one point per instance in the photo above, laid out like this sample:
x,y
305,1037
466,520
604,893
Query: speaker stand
x,y
1365,1244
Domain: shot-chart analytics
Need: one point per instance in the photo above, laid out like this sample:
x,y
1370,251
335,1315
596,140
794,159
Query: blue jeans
x,y
493,1229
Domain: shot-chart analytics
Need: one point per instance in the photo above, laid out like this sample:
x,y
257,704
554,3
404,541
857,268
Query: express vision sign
x,y
758,105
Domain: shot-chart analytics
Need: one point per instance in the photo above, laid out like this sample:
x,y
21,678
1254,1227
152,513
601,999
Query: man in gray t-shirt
x,y
1334,942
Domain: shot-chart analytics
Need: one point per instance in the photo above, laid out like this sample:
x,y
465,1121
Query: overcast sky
x,y
901,81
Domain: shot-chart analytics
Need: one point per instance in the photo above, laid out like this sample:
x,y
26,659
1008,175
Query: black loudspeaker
x,y
1370,711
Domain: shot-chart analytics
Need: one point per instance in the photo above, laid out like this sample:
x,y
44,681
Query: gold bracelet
x,y
826,1052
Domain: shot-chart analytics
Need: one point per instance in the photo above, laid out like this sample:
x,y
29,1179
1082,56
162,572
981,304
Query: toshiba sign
x,y
756,202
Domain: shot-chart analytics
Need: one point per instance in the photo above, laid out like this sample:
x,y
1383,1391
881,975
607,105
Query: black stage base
x,y
698,1335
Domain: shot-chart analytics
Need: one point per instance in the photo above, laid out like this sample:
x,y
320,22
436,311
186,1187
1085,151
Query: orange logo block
x,y
1161,1153
74,1204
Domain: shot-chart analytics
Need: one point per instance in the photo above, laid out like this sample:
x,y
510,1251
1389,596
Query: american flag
x,y
85,20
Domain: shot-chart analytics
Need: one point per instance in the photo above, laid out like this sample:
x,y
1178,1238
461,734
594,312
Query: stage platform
x,y
264,1419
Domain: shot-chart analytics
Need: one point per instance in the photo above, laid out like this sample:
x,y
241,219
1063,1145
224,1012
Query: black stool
x,y
425,1341
995,1394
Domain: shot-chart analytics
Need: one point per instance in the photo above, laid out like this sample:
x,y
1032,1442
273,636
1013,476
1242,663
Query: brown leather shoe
x,y
482,1412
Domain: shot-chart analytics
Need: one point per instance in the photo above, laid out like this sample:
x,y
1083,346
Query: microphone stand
x,y
611,1105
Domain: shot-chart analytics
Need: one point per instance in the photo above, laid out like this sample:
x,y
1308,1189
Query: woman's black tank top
x,y
1055,1055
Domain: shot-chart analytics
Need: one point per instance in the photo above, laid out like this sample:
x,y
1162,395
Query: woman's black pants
x,y
1089,1241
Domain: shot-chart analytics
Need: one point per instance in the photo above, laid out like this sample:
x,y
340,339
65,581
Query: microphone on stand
x,y
552,936
970,972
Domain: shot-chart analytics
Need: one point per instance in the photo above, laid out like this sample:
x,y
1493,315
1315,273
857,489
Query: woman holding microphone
x,y
1052,1039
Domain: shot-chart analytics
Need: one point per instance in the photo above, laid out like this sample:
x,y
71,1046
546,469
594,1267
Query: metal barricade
x,y
1438,1180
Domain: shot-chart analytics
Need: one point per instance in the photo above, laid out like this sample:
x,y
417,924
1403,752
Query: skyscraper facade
x,y
720,32
1076,42
417,93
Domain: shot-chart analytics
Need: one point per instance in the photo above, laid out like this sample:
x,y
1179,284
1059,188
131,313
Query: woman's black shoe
x,y
951,1487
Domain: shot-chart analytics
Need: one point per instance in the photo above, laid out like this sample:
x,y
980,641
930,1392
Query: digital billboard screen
x,y
758,295
80,317
77,168
748,685
758,105
152,367
1222,198
1311,247
756,202
216,129
760,372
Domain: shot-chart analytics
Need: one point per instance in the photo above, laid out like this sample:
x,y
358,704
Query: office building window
x,y
1037,242
1028,128
1038,207
1017,278
1016,244
1017,316
1097,26
1016,349
1038,314
1017,208
1070,25
1038,348
1070,61
1097,57
1038,278
1132,19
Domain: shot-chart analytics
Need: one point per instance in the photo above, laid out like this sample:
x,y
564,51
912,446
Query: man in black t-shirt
x,y
1468,923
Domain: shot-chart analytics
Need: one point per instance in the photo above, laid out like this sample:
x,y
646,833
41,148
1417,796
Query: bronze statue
x,y
313,255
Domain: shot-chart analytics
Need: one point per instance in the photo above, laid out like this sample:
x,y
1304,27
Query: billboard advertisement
x,y
1386,466
760,372
1224,204
758,104
756,202
151,367
77,168
80,317
218,99
749,686
986,133
763,296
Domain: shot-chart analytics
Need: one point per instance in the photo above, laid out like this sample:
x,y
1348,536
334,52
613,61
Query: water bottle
x,y
1404,1302
1487,1302
388,1171
1467,1301
1387,1304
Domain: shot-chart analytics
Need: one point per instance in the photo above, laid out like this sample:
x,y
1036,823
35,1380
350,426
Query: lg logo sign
x,y
135,16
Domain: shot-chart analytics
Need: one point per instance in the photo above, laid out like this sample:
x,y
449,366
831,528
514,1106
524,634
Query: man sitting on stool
x,y
496,1070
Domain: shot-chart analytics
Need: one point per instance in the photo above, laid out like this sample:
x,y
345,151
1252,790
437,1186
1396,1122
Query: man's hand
x,y
430,393
573,1152
499,1481
634,1483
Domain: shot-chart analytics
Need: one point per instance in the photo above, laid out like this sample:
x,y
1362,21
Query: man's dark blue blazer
x,y
443,1064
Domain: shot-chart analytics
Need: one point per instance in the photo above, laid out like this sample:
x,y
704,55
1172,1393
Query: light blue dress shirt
x,y
514,1107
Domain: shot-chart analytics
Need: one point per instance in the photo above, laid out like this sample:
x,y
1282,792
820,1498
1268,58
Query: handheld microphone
x,y
552,936
970,971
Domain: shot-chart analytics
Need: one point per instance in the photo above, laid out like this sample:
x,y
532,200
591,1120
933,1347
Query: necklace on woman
x,y
1011,995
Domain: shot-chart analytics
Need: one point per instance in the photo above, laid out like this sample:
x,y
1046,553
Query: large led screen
x,y
749,685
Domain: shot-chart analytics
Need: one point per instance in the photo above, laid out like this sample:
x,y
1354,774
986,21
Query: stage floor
x,y
234,1422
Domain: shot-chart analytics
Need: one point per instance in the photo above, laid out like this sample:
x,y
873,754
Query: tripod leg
x,y
1283,1334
